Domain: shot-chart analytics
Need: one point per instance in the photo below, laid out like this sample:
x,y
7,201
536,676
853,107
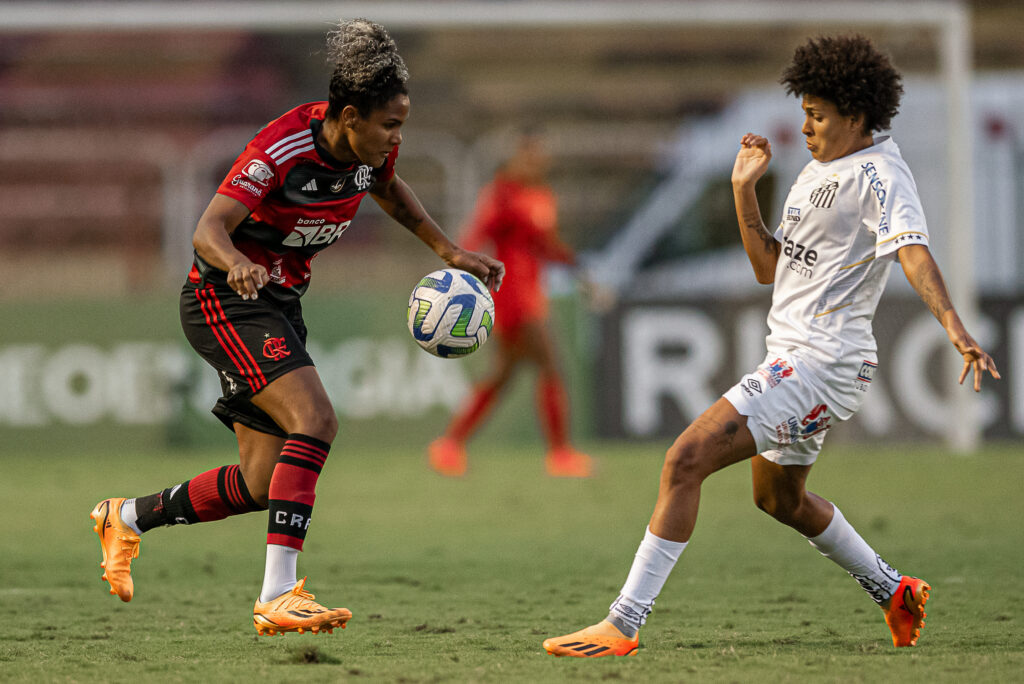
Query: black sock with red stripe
x,y
293,489
213,495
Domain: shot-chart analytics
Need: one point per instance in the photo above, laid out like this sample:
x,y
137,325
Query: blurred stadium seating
x,y
111,142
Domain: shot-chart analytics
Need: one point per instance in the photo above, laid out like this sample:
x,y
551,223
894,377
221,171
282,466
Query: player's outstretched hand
x,y
484,267
974,358
752,159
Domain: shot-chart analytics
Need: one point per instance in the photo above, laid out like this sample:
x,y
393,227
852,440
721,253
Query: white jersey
x,y
842,224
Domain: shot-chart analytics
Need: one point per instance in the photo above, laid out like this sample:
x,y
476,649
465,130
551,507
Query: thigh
x,y
783,482
512,345
537,344
718,438
298,402
781,492
506,358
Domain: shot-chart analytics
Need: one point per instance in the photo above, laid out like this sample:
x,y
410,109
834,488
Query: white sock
x,y
652,564
128,515
280,574
841,544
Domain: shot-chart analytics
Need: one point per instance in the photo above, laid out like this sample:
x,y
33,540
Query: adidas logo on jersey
x,y
310,186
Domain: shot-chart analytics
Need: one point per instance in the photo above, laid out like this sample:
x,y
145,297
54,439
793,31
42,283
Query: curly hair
x,y
368,71
849,72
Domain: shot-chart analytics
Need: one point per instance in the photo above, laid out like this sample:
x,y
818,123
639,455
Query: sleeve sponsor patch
x,y
255,177
259,171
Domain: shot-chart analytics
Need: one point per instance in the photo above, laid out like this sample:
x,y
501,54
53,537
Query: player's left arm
x,y
399,201
926,279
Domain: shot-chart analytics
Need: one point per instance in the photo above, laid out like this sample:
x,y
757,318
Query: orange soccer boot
x,y
596,641
119,545
567,462
296,611
905,614
447,456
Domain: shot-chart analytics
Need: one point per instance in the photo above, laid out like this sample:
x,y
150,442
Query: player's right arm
x,y
762,248
212,242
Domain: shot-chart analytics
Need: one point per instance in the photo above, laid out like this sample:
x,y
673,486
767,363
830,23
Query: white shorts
x,y
789,409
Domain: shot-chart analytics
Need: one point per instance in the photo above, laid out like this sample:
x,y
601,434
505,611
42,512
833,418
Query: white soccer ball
x,y
451,313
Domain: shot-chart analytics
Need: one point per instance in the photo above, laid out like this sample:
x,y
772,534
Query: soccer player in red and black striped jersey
x,y
291,193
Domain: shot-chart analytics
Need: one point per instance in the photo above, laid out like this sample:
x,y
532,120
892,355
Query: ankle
x,y
128,516
628,616
886,602
628,630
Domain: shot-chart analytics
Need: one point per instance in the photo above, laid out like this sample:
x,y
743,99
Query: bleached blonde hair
x,y
368,71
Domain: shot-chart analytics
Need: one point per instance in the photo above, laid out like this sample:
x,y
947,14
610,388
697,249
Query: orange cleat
x,y
905,614
447,456
596,641
296,611
567,462
119,545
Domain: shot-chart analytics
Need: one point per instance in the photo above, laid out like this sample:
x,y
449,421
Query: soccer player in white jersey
x,y
851,213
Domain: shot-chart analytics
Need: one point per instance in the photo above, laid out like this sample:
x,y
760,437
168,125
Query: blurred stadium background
x,y
113,138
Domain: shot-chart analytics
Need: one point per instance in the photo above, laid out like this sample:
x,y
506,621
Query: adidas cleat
x,y
119,545
905,614
296,611
596,641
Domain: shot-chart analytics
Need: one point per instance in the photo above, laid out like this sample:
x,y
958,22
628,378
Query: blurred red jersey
x,y
301,198
520,221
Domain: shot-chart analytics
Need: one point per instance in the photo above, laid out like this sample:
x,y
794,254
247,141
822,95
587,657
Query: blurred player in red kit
x,y
291,193
517,215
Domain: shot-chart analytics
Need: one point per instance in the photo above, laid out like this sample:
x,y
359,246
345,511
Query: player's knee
x,y
321,423
315,420
684,464
261,497
258,488
779,506
765,502
255,483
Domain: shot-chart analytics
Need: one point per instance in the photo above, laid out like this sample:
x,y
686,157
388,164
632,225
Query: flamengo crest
x,y
363,177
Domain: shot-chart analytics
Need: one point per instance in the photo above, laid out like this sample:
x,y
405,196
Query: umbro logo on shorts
x,y
752,385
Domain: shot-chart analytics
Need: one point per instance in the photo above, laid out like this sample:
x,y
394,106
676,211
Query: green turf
x,y
460,581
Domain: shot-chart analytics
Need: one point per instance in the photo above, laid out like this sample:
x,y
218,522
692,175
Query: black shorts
x,y
250,343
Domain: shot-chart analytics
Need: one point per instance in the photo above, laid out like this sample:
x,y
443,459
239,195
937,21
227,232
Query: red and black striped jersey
x,y
301,199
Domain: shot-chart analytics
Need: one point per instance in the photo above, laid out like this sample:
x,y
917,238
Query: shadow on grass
x,y
309,655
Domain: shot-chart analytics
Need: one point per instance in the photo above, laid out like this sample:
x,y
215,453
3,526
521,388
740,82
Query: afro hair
x,y
849,72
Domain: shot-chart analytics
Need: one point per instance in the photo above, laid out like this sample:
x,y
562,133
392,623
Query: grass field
x,y
460,581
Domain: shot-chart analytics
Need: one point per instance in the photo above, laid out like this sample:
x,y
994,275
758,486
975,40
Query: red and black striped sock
x,y
212,495
293,489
